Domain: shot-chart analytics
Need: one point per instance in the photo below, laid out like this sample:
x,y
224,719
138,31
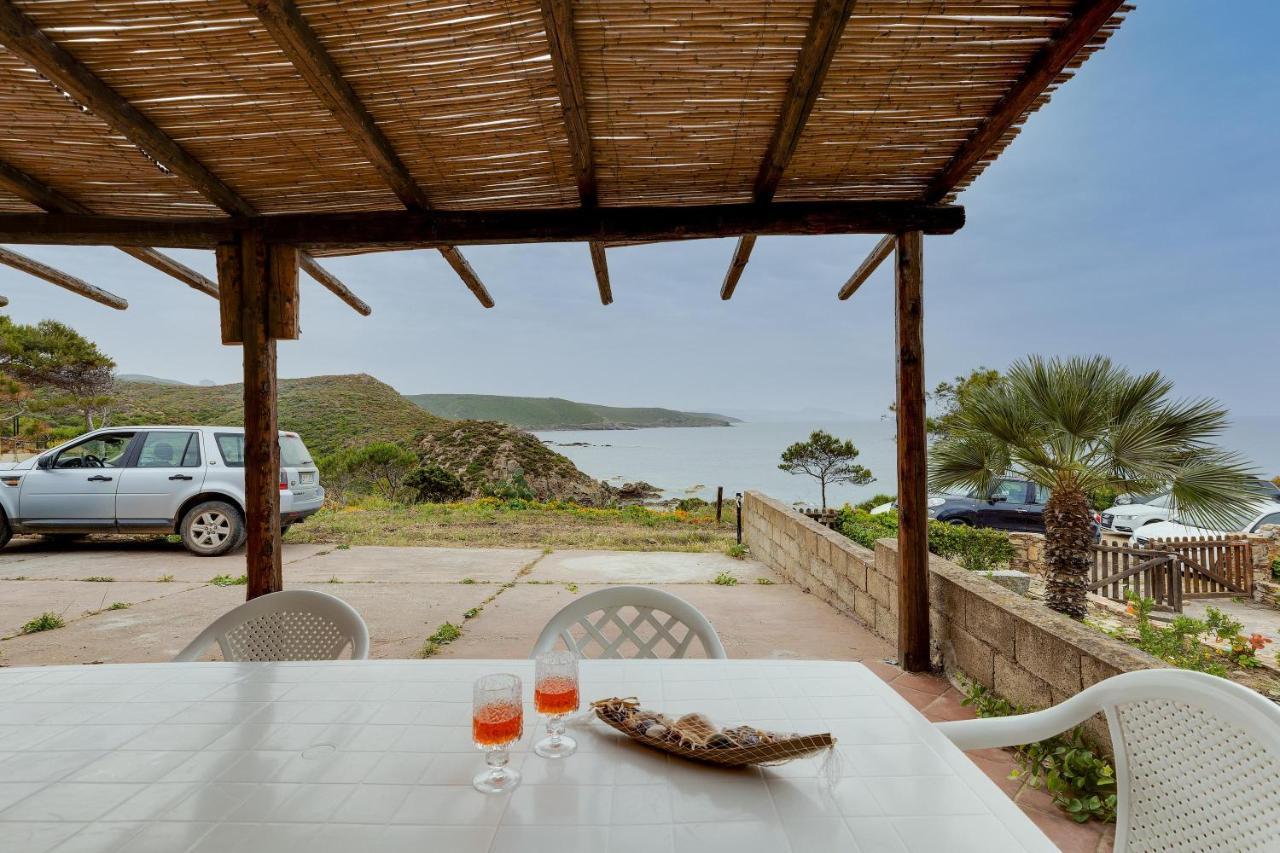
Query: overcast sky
x,y
1136,216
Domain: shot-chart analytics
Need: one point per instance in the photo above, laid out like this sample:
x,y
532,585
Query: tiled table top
x,y
376,756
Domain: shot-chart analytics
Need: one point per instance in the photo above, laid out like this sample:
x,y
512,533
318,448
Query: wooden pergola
x,y
276,132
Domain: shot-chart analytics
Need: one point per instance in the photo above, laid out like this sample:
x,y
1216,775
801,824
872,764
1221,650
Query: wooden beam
x,y
826,25
328,280
437,228
61,279
1088,18
290,30
741,254
21,36
913,519
42,195
882,250
557,17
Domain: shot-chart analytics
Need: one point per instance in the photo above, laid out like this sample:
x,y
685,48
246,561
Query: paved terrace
x,y
405,594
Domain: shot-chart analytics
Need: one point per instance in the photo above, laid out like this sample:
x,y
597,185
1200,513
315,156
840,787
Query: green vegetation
x,y
119,605
444,635
380,468
331,413
1081,783
98,579
875,501
764,582
543,413
725,579
737,550
515,524
50,371
165,579
44,622
1079,425
827,459
975,548
228,580
1183,642
433,484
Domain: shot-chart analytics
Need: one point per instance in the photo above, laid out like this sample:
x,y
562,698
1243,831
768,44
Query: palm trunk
x,y
1068,525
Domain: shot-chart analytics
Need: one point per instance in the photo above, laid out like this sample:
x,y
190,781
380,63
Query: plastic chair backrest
x,y
295,624
630,622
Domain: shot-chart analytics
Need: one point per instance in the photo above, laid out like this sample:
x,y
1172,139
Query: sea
x,y
693,461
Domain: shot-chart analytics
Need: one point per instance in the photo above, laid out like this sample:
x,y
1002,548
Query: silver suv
x,y
142,479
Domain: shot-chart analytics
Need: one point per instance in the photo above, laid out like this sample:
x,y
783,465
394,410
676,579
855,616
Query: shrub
x,y
1103,497
516,489
737,550
690,504
433,484
974,548
875,501
1181,643
44,622
1081,783
380,468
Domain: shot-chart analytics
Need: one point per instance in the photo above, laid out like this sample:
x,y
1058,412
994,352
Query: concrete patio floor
x,y
405,594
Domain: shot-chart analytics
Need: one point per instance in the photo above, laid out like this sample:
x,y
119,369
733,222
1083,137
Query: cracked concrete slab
x,y
22,601
419,565
642,567
127,560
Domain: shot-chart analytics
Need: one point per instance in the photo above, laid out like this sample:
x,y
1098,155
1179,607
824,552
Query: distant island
x,y
554,413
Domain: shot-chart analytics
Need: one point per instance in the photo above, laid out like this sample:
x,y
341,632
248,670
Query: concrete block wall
x,y
1017,647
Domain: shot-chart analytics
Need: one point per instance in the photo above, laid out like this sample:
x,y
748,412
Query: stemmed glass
x,y
555,693
497,721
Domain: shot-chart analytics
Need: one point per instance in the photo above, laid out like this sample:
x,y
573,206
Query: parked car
x,y
1012,504
141,479
1260,513
1126,518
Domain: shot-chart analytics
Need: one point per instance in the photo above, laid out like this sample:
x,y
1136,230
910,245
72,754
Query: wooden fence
x,y
1170,571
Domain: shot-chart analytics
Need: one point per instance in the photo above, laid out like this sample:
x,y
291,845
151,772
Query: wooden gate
x,y
1118,571
1211,568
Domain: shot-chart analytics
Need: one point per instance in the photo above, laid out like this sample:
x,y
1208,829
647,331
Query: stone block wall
x,y
1028,552
981,631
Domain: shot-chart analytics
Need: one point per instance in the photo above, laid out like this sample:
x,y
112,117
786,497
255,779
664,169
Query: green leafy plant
x,y
165,579
98,579
1275,568
975,548
764,582
1183,642
737,550
515,491
1081,782
690,504
472,613
433,484
44,622
572,587
228,580
725,579
443,636
119,605
468,580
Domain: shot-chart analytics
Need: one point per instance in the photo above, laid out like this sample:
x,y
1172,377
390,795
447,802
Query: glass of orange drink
x,y
555,694
497,721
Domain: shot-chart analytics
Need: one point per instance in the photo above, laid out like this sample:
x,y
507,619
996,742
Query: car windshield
x,y
1163,502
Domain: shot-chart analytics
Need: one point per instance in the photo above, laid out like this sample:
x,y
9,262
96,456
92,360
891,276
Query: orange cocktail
x,y
556,694
497,721
498,724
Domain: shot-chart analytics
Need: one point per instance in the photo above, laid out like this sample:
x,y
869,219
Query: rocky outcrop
x,y
637,492
483,454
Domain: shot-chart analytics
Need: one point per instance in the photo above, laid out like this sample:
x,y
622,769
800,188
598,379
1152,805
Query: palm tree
x,y
1082,424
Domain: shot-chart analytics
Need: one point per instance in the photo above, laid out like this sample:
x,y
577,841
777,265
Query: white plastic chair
x,y
1196,757
630,622
296,624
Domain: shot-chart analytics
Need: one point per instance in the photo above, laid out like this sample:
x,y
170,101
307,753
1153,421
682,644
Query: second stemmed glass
x,y
555,693
497,721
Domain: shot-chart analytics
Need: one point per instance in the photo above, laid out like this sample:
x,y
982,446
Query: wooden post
x,y
719,503
258,284
913,521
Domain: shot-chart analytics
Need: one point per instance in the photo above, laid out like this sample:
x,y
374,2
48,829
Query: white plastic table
x,y
369,756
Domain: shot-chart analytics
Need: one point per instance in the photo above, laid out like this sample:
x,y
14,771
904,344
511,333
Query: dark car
x,y
1013,504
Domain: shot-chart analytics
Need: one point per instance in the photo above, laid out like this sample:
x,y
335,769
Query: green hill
x,y
330,412
556,413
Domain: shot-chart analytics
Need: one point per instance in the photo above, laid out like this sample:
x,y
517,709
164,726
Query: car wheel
x,y
960,522
6,532
212,528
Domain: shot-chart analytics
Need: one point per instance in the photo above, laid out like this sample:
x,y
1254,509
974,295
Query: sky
x,y
1135,216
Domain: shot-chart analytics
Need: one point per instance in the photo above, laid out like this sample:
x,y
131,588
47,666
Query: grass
x,y
165,579
44,622
228,580
725,579
444,635
119,605
98,579
517,524
737,550
764,582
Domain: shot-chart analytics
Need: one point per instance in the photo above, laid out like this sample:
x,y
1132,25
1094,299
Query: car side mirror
x,y
996,499
44,461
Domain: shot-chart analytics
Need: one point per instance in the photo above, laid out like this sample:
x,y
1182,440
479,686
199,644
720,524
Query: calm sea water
x,y
693,461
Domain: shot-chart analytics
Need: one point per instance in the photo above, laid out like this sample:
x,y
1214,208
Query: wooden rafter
x,y
1088,19
326,278
557,17
882,250
823,37
437,228
44,196
21,36
61,279
290,30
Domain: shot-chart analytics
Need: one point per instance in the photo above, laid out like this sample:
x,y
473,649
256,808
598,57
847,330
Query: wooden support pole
x,y
741,254
61,279
913,520
882,250
332,284
259,295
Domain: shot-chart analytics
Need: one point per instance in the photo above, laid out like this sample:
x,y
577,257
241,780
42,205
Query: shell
x,y
657,731
720,740
694,730
743,736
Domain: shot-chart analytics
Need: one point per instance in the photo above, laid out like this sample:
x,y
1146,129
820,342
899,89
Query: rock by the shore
x,y
637,492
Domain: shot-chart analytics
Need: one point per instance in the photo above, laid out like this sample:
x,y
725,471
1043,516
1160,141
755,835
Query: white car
x,y
1126,518
1263,512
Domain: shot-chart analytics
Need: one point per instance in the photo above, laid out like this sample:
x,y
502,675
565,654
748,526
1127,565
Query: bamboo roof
x,y
681,100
